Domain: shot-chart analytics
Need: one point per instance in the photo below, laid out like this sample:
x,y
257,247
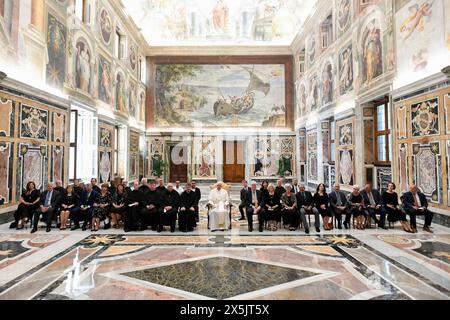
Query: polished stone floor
x,y
339,264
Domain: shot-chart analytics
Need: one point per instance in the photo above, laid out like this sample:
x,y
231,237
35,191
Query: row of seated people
x,y
142,206
291,203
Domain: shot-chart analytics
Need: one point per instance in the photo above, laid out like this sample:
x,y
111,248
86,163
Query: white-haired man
x,y
219,201
49,205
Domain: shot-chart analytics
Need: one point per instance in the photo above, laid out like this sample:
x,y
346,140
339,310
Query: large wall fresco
x,y
190,22
56,47
33,139
220,95
421,150
421,43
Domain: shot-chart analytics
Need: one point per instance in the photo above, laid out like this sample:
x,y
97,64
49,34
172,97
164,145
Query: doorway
x,y
233,161
178,164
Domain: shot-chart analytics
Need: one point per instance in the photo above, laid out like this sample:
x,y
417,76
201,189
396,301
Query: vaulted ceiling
x,y
219,22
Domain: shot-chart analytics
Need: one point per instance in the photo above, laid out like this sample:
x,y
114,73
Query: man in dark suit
x,y
295,186
374,205
95,186
339,206
415,203
305,205
87,199
198,196
48,207
279,189
252,201
243,196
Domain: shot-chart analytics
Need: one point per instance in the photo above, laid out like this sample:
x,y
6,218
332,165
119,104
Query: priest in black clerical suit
x,y
151,211
198,196
134,206
186,216
170,204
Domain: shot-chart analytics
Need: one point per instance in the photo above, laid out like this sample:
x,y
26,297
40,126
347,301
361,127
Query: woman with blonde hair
x,y
272,209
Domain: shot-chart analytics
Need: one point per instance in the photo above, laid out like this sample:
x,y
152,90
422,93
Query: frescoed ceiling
x,y
219,22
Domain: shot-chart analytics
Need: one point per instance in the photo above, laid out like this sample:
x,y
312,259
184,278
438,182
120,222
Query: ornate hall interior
x,y
318,98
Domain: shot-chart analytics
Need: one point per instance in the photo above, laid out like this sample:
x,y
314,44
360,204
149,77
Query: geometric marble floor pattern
x,y
370,264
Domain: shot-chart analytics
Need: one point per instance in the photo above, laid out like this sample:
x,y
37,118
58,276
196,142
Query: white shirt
x,y
418,200
179,189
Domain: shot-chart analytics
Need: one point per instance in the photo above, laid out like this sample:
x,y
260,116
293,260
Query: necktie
x,y
416,203
371,199
338,196
47,199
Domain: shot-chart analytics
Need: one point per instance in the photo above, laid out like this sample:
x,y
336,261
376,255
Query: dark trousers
x,y
82,215
23,211
241,210
291,218
304,212
197,215
373,213
131,218
168,218
149,217
413,213
48,216
250,213
338,214
186,220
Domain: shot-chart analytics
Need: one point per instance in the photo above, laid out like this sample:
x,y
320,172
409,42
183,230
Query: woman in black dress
x,y
391,204
357,207
29,202
264,186
118,207
321,203
101,207
272,207
70,206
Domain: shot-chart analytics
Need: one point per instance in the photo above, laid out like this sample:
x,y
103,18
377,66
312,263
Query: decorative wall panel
x,y
134,155
312,156
345,152
384,177
33,123
204,157
426,164
368,142
155,147
402,122
105,152
325,142
424,118
7,119
6,166
273,157
422,153
33,138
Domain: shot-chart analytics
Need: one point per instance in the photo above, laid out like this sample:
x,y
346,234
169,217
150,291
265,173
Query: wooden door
x,y
233,161
178,164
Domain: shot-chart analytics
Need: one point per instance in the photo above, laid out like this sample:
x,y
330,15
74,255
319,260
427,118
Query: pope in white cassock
x,y
219,218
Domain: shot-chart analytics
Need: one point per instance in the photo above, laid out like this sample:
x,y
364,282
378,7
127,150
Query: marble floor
x,y
340,264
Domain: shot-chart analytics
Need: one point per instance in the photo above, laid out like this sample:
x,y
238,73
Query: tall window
x,y
142,69
382,133
121,45
83,10
73,145
301,61
326,32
